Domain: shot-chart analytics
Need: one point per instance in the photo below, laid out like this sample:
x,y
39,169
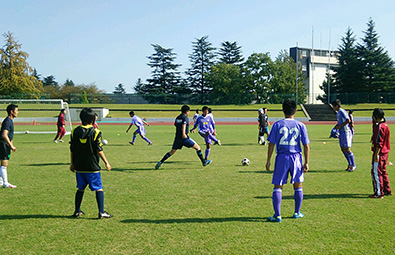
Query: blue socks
x,y
276,199
206,155
350,158
147,140
298,196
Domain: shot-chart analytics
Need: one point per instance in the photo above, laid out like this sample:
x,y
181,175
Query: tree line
x,y
220,76
363,67
18,77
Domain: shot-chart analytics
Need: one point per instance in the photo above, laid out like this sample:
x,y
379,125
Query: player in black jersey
x,y
86,148
182,139
6,145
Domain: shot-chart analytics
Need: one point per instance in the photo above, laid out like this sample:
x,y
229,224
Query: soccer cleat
x,y
375,196
55,141
298,215
61,141
206,162
9,185
274,219
158,165
264,143
351,168
131,143
219,143
105,215
78,214
149,144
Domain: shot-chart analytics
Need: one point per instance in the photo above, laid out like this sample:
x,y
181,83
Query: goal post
x,y
37,116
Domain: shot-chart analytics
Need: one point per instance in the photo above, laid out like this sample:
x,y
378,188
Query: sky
x,y
108,42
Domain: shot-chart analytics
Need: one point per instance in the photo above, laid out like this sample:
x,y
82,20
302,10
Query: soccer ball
x,y
27,132
104,142
245,162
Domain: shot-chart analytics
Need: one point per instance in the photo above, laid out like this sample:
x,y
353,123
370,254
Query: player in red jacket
x,y
381,148
61,127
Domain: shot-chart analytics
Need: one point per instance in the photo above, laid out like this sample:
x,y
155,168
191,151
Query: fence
x,y
345,98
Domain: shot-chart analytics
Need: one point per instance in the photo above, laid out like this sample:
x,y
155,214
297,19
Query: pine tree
x,y
378,67
119,89
230,53
16,76
166,80
348,75
202,59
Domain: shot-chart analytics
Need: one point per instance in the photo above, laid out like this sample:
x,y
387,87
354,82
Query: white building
x,y
315,65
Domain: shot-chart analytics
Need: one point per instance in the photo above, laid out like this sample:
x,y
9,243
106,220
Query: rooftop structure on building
x,y
314,64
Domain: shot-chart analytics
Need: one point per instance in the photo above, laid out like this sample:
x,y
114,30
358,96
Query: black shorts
x,y
263,130
179,143
5,151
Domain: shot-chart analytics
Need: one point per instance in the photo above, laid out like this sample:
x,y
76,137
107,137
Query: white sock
x,y
4,175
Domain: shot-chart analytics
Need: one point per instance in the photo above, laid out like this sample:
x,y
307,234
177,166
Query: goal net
x,y
37,116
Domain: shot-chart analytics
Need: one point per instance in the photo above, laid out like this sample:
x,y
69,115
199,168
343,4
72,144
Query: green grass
x,y
186,209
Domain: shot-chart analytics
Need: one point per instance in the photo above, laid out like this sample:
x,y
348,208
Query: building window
x,y
304,53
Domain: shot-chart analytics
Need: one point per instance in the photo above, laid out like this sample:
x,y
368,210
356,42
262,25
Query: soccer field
x,y
184,208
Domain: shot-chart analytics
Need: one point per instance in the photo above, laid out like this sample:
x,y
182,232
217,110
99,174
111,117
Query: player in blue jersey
x,y
345,134
206,129
139,123
287,135
182,139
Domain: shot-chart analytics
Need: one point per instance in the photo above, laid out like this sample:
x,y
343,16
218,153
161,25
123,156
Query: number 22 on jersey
x,y
288,136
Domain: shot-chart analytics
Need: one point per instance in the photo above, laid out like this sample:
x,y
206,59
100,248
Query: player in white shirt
x,y
139,123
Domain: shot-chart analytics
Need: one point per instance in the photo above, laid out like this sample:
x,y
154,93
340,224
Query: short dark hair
x,y
289,107
197,111
204,108
131,113
337,103
11,107
210,110
350,111
378,113
185,108
87,116
62,111
264,108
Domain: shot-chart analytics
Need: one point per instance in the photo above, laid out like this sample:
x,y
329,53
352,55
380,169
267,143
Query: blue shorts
x,y
93,179
206,137
345,139
288,163
180,142
140,130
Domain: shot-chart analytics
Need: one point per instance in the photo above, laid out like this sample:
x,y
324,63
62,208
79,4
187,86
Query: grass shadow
x,y
33,216
196,220
326,171
255,172
321,196
239,144
47,164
